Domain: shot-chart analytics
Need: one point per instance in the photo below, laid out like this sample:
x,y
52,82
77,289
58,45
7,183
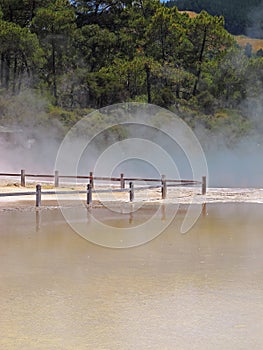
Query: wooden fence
x,y
122,180
162,183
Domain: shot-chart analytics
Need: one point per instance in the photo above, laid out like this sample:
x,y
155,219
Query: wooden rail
x,y
163,183
38,193
122,180
89,191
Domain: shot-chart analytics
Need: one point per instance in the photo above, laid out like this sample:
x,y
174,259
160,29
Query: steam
x,y
240,166
236,162
28,138
255,29
34,142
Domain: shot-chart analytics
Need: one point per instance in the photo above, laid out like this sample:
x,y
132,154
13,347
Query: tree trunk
x,y
32,10
177,91
54,73
7,70
200,61
14,75
148,82
2,69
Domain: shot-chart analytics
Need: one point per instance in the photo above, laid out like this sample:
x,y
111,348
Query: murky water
x,y
200,290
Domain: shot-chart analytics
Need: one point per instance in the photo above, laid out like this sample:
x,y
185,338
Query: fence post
x,y
89,194
37,221
163,212
56,178
122,181
23,178
164,187
204,211
38,196
131,217
91,179
131,191
203,185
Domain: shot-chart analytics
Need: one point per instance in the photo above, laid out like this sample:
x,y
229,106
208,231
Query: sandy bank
x,y
181,195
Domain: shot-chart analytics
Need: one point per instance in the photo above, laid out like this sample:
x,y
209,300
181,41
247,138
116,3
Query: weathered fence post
x,y
131,191
56,178
37,221
203,184
122,181
163,212
23,178
38,196
204,211
131,217
91,179
89,194
164,187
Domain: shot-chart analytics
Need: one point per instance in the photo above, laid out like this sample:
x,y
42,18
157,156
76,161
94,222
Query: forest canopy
x,y
88,54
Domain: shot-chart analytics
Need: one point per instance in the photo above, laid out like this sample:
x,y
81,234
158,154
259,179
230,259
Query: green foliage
x,y
21,56
232,122
82,55
54,25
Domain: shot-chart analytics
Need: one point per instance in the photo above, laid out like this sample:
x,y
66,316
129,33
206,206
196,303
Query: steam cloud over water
x,y
29,139
34,150
241,166
237,165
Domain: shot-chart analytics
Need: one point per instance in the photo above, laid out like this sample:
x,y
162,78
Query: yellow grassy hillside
x,y
242,40
191,14
256,44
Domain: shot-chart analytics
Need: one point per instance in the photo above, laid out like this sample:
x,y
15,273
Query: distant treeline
x,y
88,54
241,16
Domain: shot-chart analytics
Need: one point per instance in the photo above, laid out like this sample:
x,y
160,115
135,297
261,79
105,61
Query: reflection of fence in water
x,y
130,216
163,183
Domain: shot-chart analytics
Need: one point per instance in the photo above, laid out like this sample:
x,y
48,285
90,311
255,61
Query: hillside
x,y
242,40
242,17
191,14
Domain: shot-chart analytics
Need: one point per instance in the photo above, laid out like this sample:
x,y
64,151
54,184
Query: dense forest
x,y
241,16
80,55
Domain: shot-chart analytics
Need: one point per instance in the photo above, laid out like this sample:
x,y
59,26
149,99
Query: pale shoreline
x,y
175,195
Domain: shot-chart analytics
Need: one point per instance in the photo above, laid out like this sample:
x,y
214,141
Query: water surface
x,y
200,290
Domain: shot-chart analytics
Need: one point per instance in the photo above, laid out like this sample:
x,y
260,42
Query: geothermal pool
x,y
199,290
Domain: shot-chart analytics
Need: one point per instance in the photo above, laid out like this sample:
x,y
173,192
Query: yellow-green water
x,y
201,290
